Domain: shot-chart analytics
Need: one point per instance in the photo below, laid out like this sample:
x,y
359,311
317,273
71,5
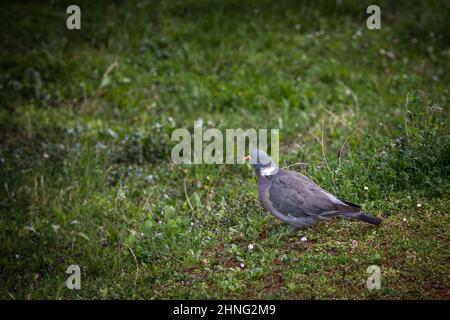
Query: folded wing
x,y
297,196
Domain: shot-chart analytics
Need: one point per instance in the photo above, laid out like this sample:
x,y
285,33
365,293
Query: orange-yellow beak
x,y
247,158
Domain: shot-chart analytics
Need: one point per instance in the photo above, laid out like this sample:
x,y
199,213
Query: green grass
x,y
86,176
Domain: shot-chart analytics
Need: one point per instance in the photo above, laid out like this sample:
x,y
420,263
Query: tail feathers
x,y
363,217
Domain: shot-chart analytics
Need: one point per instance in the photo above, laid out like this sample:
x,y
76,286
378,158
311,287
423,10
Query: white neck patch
x,y
269,171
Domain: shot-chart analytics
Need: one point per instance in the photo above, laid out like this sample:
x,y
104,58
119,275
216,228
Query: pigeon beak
x,y
247,158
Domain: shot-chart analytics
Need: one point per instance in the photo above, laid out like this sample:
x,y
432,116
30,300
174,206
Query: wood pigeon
x,y
295,199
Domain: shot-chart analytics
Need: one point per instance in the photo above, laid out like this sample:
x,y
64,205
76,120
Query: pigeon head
x,y
263,164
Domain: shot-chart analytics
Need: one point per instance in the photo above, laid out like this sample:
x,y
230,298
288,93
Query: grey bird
x,y
295,199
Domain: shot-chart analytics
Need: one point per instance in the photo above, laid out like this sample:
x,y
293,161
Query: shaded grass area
x,y
86,176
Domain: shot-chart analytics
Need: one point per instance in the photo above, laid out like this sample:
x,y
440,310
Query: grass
x,y
86,176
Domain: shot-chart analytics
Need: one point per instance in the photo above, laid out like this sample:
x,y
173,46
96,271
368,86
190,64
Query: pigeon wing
x,y
296,196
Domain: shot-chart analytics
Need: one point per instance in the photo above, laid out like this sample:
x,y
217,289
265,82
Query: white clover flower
x,y
242,265
111,133
251,246
404,219
419,205
303,239
366,188
100,145
348,92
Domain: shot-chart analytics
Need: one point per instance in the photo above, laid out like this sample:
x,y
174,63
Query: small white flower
x,y
100,145
74,222
250,246
55,227
45,155
142,234
419,205
17,256
348,92
111,133
384,154
404,219
366,188
303,239
242,265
